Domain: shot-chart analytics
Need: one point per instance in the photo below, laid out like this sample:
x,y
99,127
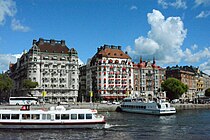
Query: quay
x,y
190,106
104,107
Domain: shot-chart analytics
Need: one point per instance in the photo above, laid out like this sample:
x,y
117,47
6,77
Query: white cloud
x,y
80,62
178,4
148,46
16,26
196,57
133,7
202,2
6,59
205,67
164,40
7,8
203,14
194,47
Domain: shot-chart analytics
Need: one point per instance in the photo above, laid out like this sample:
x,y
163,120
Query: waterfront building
x,y
188,76
109,74
206,81
148,78
82,83
53,65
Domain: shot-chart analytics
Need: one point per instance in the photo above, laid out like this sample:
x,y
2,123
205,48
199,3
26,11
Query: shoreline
x,y
105,107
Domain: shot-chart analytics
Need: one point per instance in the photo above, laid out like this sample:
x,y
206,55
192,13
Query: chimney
x,y
141,60
98,49
62,42
41,41
34,41
52,41
119,47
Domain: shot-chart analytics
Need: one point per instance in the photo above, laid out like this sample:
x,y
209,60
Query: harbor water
x,y
186,124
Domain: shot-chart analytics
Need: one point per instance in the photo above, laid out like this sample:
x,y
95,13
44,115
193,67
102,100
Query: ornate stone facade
x,y
53,65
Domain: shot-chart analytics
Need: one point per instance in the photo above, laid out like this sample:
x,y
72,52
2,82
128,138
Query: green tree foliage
x,y
174,88
207,92
28,84
6,83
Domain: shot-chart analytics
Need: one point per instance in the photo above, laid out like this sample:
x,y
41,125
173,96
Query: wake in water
x,y
110,125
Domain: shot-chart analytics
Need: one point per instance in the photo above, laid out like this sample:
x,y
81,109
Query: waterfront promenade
x,y
104,107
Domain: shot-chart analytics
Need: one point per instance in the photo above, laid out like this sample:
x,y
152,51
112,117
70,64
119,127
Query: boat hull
x,y
150,112
13,125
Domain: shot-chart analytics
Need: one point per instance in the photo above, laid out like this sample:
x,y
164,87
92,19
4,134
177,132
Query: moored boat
x,y
139,105
54,118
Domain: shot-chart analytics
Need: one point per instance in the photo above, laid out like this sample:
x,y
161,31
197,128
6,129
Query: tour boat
x,y
139,105
54,118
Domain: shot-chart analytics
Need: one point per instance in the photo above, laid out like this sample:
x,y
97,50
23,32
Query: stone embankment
x,y
191,106
105,107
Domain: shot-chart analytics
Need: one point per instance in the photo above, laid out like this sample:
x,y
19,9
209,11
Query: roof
x,y
110,51
52,46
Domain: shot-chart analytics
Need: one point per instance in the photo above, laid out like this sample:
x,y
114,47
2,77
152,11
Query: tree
x,y
207,92
28,84
174,88
6,83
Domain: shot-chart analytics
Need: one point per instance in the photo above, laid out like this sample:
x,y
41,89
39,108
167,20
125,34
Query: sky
x,y
174,32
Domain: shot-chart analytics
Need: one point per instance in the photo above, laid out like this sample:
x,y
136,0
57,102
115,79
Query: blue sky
x,y
175,32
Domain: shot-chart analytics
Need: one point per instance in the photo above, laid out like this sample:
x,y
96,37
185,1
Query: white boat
x,y
139,105
54,118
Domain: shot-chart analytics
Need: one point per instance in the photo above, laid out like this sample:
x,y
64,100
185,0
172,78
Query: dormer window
x,y
62,58
46,57
54,57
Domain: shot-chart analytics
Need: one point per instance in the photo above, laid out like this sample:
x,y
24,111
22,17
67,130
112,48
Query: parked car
x,y
109,103
174,101
64,103
116,103
103,102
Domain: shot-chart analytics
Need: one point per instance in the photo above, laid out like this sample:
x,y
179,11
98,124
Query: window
x,y
81,116
73,116
64,116
25,116
57,116
35,116
5,116
88,116
15,116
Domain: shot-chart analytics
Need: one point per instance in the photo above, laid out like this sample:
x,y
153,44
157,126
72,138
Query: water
x,y
187,124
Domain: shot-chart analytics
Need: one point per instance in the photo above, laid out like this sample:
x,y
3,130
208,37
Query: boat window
x,y
25,116
73,116
166,105
46,116
159,106
35,116
15,116
5,116
57,116
64,116
88,116
81,116
0,116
